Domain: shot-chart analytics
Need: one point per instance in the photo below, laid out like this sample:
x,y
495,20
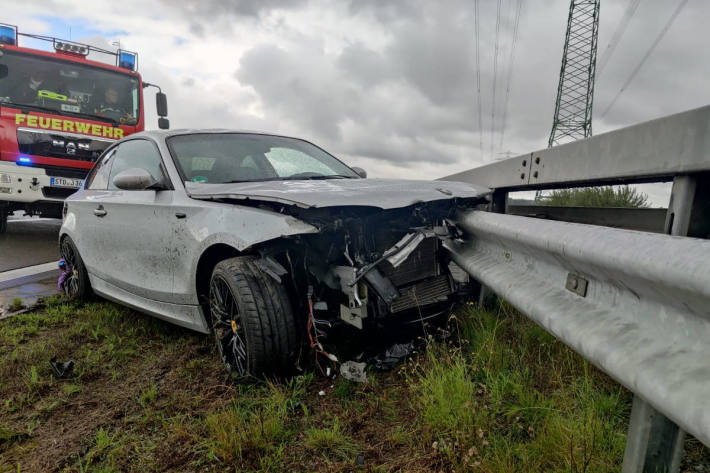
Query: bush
x,y
605,196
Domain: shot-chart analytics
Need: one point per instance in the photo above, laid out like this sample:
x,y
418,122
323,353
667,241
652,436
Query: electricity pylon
x,y
575,92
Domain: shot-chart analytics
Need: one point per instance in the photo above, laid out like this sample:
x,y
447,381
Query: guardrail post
x,y
498,204
499,201
689,207
654,443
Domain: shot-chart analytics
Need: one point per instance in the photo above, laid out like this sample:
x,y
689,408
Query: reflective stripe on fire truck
x,y
72,126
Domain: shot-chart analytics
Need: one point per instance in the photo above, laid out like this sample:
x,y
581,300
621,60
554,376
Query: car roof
x,y
164,134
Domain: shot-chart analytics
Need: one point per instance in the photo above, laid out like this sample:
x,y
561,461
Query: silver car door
x,y
81,217
134,229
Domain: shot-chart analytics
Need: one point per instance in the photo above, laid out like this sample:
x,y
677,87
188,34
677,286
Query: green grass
x,y
501,395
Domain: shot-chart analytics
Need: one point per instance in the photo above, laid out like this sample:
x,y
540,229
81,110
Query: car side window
x,y
98,178
136,154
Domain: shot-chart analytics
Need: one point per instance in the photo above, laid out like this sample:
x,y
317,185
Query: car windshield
x,y
241,157
56,86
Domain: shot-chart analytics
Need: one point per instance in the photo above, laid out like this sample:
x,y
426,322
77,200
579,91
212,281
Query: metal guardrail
x,y
653,151
644,219
644,321
636,304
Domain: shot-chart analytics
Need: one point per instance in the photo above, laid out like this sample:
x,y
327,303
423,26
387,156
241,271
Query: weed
x,y
70,389
148,395
245,430
32,380
331,441
16,304
344,389
8,436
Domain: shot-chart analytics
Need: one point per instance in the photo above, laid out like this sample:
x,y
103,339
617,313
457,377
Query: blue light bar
x,y
8,34
127,60
24,160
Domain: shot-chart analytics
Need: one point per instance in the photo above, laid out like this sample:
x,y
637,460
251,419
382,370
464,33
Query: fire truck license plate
x,y
65,182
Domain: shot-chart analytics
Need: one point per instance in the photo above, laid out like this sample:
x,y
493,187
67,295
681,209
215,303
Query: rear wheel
x,y
252,319
76,284
3,219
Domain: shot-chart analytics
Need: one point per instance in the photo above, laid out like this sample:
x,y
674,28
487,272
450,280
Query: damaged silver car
x,y
269,243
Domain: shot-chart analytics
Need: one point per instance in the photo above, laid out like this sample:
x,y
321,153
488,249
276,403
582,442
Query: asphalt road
x,y
29,241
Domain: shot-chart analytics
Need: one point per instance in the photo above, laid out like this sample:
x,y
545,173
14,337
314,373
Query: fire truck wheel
x,y
3,220
76,284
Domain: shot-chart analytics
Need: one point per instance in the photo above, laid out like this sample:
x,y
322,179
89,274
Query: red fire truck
x,y
58,112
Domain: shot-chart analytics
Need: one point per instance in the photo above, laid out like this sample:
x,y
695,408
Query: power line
x,y
636,70
518,9
495,75
618,33
478,82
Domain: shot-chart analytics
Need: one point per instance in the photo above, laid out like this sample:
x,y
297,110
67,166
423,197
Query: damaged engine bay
x,y
369,277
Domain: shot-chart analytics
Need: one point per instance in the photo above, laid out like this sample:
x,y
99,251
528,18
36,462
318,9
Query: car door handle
x,y
99,211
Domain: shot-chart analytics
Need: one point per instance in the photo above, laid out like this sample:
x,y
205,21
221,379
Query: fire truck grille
x,y
57,192
60,145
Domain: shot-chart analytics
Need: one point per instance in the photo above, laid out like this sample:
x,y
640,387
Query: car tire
x,y
76,286
3,219
252,319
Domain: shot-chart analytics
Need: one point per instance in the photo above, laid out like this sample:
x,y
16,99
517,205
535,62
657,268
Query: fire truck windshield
x,y
57,86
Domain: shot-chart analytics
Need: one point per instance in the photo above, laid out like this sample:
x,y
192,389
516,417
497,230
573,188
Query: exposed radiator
x,y
421,264
423,293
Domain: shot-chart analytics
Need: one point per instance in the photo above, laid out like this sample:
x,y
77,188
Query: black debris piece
x,y
392,356
61,369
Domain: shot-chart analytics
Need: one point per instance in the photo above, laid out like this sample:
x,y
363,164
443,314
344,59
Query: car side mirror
x,y
163,123
134,179
360,172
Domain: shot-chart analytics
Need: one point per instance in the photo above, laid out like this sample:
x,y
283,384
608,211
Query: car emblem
x,y
71,147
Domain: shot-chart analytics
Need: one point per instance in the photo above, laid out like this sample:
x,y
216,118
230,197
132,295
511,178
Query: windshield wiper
x,y
316,177
54,111
22,106
113,121
290,178
332,176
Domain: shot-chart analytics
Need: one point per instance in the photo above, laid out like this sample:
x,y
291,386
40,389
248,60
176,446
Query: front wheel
x,y
252,319
3,219
75,283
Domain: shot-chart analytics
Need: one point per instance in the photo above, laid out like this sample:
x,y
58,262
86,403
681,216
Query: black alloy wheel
x,y
76,284
252,320
227,327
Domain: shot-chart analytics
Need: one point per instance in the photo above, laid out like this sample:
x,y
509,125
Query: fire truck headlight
x,y
5,179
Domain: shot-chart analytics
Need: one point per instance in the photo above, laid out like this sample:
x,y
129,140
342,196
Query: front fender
x,y
233,225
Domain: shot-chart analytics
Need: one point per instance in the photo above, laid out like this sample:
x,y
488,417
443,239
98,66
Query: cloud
x,y
390,86
219,9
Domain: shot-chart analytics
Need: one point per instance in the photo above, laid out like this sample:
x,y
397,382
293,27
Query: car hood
x,y
379,193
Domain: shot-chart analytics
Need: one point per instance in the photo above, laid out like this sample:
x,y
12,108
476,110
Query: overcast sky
x,y
386,85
